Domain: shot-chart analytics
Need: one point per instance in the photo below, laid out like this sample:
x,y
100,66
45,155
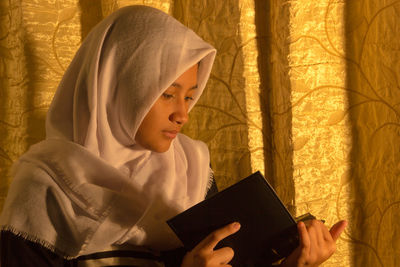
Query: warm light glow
x,y
320,128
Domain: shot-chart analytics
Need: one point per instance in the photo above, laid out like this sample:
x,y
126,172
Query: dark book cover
x,y
268,231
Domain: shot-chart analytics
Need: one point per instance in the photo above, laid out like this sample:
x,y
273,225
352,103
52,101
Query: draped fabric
x,y
74,186
305,91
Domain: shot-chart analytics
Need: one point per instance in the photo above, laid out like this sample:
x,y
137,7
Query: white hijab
x,y
88,185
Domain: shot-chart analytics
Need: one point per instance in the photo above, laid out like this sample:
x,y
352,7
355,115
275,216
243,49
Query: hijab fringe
x,y
210,181
37,240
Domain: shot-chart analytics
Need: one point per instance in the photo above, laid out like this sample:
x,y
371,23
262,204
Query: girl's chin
x,y
161,148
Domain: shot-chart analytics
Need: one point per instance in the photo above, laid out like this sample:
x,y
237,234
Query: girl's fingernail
x,y
236,225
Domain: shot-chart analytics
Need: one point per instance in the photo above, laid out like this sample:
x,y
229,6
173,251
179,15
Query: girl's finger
x,y
318,229
327,234
305,243
223,255
215,237
337,229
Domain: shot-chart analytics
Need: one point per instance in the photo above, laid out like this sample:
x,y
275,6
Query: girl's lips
x,y
170,134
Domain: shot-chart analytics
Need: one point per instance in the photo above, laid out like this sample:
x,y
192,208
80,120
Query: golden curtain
x,y
305,91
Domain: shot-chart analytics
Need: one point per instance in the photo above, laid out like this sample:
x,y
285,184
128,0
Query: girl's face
x,y
168,114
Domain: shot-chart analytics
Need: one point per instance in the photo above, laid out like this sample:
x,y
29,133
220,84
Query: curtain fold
x,y
373,64
220,117
320,130
305,91
14,83
272,22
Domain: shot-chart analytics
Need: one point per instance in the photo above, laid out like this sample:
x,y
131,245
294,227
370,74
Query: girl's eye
x,y
167,96
189,98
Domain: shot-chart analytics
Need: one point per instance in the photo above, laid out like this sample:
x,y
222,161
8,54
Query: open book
x,y
268,231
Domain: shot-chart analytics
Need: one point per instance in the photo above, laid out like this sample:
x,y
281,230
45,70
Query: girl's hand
x,y
317,244
204,254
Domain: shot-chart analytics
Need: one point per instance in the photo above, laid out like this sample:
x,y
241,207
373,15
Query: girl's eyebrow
x,y
177,85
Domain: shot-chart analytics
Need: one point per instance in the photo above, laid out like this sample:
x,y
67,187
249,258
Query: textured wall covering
x,y
321,132
373,56
305,91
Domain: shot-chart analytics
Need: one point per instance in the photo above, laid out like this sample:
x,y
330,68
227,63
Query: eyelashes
x,y
171,96
167,96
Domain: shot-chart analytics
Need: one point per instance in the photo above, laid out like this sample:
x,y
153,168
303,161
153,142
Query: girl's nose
x,y
180,115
